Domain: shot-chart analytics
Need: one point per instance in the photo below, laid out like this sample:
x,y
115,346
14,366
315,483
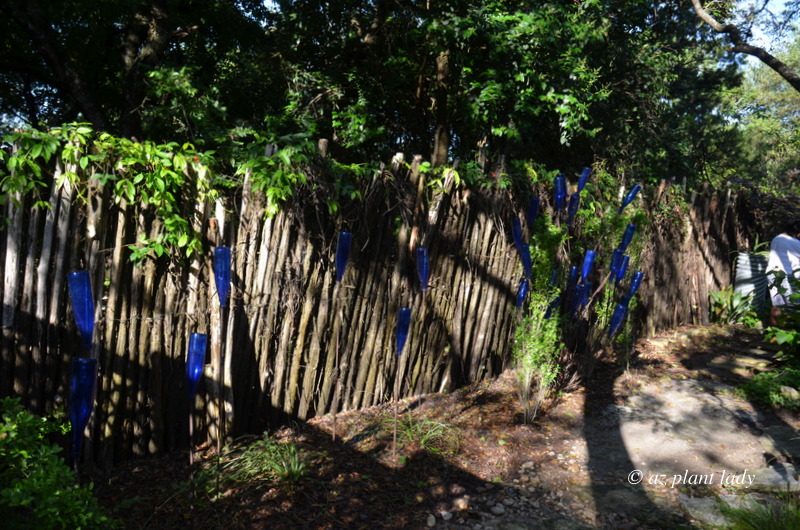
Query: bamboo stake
x,y
336,368
24,349
57,283
312,376
293,391
40,350
10,291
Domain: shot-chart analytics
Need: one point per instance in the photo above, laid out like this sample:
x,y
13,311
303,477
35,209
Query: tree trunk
x,y
441,145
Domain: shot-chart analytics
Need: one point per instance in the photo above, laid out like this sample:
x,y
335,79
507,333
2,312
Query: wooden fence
x,y
685,265
288,321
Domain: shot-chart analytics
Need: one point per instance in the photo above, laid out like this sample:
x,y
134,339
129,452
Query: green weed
x,y
535,352
766,388
428,435
774,514
264,460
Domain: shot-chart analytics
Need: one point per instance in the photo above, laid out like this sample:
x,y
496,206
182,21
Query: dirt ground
x,y
490,471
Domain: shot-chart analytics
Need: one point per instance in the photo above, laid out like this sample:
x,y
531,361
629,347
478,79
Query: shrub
x,y
535,354
731,307
38,488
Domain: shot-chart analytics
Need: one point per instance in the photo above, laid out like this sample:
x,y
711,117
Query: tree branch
x,y
146,37
740,45
34,22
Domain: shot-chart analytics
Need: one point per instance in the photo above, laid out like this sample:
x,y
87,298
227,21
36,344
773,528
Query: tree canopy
x,y
632,85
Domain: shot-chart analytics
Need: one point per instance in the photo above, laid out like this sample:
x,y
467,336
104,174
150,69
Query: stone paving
x,y
664,458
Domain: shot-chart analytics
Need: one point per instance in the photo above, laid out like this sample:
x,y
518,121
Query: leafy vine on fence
x,y
164,180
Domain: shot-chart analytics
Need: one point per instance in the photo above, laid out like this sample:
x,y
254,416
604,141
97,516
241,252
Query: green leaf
x,y
36,150
783,336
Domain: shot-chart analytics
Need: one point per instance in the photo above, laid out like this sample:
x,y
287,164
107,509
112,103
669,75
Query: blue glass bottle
x,y
525,257
222,273
622,269
195,359
80,293
572,209
516,231
533,211
616,261
577,299
81,401
588,262
627,237
522,292
560,184
423,269
619,316
552,307
343,245
635,282
629,197
584,178
403,324
573,277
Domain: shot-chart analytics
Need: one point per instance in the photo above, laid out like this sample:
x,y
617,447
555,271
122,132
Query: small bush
x,y
731,307
38,488
535,353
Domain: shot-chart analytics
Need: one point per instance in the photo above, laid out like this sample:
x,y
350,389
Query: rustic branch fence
x,y
279,347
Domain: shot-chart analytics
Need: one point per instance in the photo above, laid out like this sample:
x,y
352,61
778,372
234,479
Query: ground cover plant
x,y
426,434
770,388
37,488
774,513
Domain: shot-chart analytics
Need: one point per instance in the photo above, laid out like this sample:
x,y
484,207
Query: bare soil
x,y
363,480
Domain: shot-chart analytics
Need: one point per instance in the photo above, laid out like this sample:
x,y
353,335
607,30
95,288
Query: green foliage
x,y
665,122
787,331
537,344
265,459
23,164
769,387
520,79
162,74
767,109
182,110
731,307
37,489
279,167
787,338
277,174
420,65
428,435
770,514
766,388
163,179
